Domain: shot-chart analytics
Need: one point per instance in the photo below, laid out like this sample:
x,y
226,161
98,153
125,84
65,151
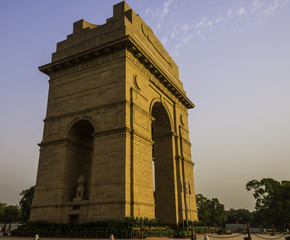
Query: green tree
x,y
11,214
25,203
239,216
210,212
272,201
203,209
2,212
217,212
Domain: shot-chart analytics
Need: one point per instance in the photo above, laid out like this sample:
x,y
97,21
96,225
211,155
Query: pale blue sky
x,y
234,61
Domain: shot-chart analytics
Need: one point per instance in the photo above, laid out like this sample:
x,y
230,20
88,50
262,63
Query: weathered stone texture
x,y
115,102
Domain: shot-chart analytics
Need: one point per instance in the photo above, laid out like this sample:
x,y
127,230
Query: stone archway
x,y
114,74
163,164
79,159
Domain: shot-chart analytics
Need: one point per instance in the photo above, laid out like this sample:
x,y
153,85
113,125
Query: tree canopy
x,y
9,214
239,216
12,214
2,212
25,203
210,212
272,201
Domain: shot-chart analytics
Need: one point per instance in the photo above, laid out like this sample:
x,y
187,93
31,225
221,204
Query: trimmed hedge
x,y
120,228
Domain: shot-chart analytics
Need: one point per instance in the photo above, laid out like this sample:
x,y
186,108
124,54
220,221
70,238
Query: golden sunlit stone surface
x,y
115,103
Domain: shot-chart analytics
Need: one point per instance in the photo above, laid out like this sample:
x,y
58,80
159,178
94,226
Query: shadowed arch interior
x,y
79,158
163,162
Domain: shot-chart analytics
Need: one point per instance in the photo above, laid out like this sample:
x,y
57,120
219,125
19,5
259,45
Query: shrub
x,y
224,231
181,234
202,230
228,231
198,224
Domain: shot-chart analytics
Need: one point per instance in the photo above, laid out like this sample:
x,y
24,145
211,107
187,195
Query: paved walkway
x,y
199,237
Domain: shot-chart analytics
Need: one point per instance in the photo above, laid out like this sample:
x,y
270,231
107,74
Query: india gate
x,y
116,138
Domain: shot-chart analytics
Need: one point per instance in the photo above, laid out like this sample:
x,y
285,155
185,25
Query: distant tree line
x,y
15,213
272,206
211,212
9,213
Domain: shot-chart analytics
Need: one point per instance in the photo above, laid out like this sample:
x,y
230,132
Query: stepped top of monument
x,y
124,29
124,23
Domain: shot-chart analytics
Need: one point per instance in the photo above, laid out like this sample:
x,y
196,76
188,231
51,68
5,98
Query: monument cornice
x,y
142,136
170,133
54,142
96,110
115,131
81,203
140,52
158,70
86,55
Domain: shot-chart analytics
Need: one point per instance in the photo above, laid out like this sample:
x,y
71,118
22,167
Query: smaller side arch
x,y
74,121
79,154
159,100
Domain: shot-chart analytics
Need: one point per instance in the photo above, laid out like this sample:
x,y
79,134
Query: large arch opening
x,y
79,160
163,165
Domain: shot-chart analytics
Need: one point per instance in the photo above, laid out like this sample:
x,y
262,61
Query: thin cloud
x,y
257,6
201,23
160,14
205,25
148,10
271,8
165,9
218,20
173,31
164,40
230,12
241,12
182,34
262,7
